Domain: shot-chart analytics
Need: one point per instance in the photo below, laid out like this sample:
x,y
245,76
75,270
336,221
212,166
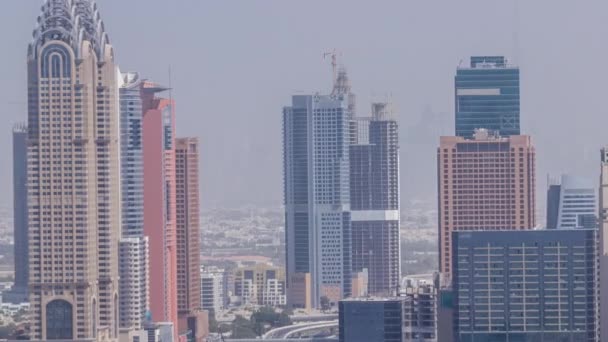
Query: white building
x,y
213,294
571,203
134,281
274,293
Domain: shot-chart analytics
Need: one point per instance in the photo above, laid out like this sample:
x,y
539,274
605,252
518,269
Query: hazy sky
x,y
236,63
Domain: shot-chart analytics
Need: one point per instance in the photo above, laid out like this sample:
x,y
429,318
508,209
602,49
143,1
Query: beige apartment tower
x,y
484,183
73,164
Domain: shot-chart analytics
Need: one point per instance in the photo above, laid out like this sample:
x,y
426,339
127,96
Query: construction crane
x,y
334,63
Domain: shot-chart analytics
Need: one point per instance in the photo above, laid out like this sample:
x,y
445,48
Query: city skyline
x,y
397,71
113,238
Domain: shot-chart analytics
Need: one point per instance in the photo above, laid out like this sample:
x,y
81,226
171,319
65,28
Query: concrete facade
x,y
485,183
160,202
375,205
73,175
188,233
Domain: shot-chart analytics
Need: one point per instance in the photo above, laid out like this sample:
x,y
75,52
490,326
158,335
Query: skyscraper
x,y
316,142
133,259
18,293
487,96
603,246
187,233
484,183
374,191
160,205
73,175
373,319
535,285
572,203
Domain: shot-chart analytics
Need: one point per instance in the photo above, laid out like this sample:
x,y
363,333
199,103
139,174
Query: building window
x,y
59,320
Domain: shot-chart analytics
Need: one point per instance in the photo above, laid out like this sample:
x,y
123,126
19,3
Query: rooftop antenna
x,y
516,20
170,85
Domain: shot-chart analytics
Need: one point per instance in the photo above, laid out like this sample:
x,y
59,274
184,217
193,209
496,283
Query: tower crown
x,y
73,22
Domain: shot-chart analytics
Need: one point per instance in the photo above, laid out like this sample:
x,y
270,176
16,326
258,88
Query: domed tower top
x,y
72,22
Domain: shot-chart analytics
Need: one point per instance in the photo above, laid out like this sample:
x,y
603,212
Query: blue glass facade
x,y
487,96
316,140
369,320
133,248
535,285
19,291
131,157
374,191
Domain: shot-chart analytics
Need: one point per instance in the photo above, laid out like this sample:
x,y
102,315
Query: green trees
x,y
325,304
7,330
261,321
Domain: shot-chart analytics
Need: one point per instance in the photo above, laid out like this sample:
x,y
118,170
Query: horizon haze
x,y
230,88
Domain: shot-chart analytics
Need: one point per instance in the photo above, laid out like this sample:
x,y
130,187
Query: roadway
x,y
291,330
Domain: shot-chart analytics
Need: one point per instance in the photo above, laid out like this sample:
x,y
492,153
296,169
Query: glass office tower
x,y
374,191
532,285
316,142
373,319
487,96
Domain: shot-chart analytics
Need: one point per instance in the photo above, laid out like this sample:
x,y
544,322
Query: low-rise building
x,y
261,284
420,311
213,289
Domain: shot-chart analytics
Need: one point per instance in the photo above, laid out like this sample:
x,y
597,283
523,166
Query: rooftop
x,y
72,22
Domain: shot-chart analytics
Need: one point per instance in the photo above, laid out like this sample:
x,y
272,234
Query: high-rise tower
x,y
18,292
572,203
317,132
487,96
188,237
134,265
73,174
374,191
603,247
534,285
484,183
159,204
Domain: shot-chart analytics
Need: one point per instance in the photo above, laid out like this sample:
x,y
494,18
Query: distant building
x,y
214,294
374,192
572,203
420,311
316,141
445,315
134,335
188,238
487,96
19,292
534,285
485,183
160,201
603,245
134,281
160,332
260,285
372,319
73,175
134,291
